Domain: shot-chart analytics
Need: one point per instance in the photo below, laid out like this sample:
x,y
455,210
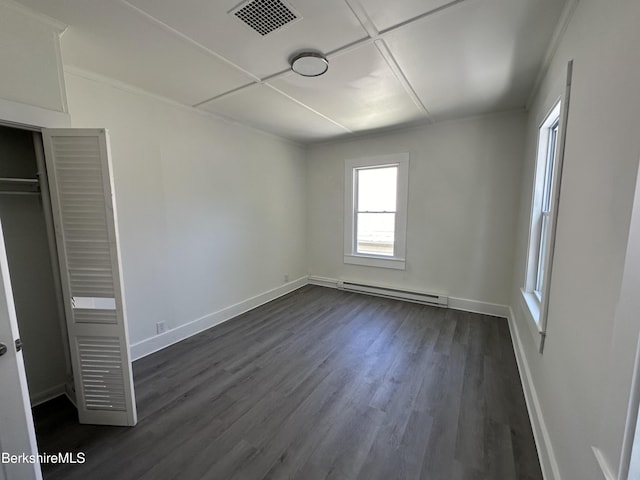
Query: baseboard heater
x,y
407,295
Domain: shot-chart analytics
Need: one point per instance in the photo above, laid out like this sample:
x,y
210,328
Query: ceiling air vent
x,y
265,16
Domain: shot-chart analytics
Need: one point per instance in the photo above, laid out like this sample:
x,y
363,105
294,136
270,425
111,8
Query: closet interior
x,y
25,215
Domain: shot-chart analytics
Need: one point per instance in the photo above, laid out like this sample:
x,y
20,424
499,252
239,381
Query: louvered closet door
x,y
80,180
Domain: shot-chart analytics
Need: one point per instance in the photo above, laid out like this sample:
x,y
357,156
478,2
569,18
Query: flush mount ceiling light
x,y
309,64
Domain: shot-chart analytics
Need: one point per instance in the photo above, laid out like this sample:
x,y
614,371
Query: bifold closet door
x,y
80,180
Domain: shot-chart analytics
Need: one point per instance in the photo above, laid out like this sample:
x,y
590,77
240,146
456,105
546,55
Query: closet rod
x,y
18,192
21,181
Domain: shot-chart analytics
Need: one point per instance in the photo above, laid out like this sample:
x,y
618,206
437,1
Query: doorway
x,y
25,213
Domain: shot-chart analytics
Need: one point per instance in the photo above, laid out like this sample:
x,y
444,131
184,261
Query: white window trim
x,y
398,261
533,304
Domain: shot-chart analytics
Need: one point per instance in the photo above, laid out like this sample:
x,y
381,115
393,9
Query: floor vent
x,y
265,16
407,295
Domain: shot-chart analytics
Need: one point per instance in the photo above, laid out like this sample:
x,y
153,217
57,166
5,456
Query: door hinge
x,y
18,345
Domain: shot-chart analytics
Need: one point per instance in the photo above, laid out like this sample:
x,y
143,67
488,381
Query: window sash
x,y
549,166
542,253
376,247
544,214
372,242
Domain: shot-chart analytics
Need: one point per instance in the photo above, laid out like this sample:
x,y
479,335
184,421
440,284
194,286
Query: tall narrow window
x,y
545,212
376,211
542,213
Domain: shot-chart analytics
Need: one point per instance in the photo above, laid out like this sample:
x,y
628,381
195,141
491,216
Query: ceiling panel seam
x,y
132,89
349,47
302,104
375,37
189,40
417,18
386,53
226,94
61,27
361,14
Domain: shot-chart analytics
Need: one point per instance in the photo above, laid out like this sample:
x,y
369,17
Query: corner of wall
x,y
546,454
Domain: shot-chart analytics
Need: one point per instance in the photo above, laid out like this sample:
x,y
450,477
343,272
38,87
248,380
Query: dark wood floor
x,y
319,384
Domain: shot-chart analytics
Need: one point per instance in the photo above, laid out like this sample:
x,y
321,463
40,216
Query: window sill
x,y
531,309
371,261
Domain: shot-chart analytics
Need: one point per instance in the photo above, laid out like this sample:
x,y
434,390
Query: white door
x,y
84,214
17,435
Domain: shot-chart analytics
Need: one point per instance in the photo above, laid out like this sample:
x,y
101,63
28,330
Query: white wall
x,y
30,59
463,191
210,213
625,341
600,165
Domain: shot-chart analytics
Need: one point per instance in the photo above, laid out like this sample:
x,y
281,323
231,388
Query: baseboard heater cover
x,y
407,295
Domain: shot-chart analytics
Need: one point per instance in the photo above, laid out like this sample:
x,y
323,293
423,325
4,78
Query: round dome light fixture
x,y
309,64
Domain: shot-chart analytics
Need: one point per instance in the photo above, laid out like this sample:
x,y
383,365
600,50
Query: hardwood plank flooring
x,y
319,384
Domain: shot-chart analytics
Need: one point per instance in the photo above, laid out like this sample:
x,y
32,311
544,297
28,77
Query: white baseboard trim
x,y
604,465
323,281
475,306
175,335
546,455
46,395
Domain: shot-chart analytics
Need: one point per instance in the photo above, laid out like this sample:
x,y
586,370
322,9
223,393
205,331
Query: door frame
x,y
28,117
34,119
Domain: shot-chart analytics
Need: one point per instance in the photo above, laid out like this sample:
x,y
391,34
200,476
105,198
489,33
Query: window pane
x,y
542,252
548,176
375,233
377,189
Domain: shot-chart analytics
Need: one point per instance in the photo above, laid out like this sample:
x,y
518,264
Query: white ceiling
x,y
390,62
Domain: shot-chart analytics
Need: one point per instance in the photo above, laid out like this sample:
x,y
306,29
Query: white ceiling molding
x,y
561,27
126,87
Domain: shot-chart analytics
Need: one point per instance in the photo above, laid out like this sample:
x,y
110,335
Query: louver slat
x,y
84,216
81,315
101,367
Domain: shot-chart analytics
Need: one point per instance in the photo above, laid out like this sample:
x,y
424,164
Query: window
x,y
542,213
376,211
545,211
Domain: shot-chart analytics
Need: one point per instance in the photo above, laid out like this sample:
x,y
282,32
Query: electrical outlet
x,y
160,328
286,278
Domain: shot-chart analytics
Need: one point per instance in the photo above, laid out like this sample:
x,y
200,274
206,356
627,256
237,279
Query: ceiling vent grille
x,y
265,16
